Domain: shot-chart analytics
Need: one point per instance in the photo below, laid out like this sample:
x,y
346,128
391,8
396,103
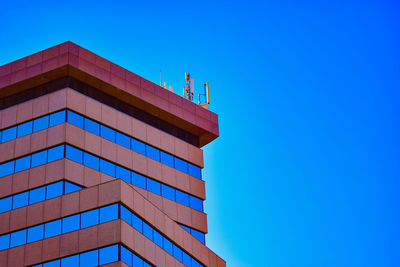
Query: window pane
x,y
187,229
138,180
55,153
52,229
70,223
4,242
89,218
182,198
158,239
126,215
138,146
195,263
57,118
9,134
154,186
37,195
25,128
108,254
55,263
167,246
18,238
196,203
107,168
126,256
91,161
186,260
23,164
40,123
167,159
74,154
137,223
69,188
39,158
147,231
92,126
181,165
6,168
123,174
194,171
20,200
152,152
123,140
89,259
109,213
198,235
70,261
168,192
54,190
107,133
75,119
5,204
35,233
177,253
137,261
145,264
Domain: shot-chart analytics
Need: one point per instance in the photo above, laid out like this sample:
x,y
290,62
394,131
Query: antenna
x,y
206,96
188,89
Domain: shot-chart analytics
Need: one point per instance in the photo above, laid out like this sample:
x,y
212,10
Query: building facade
x,y
99,166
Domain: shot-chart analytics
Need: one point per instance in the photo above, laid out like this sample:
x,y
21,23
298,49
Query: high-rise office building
x,y
99,166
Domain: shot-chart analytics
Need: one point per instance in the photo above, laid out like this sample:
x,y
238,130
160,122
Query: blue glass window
x,y
92,126
91,161
148,231
123,140
52,229
55,153
152,152
196,203
194,171
181,165
198,235
126,215
71,223
168,192
137,261
40,123
22,164
107,167
89,218
186,260
167,246
54,190
25,128
9,134
195,263
74,154
35,233
154,186
167,159
137,223
108,254
57,118
39,158
109,213
138,180
7,168
69,188
177,253
18,238
70,261
89,259
37,195
138,146
4,242
55,263
5,204
20,200
182,198
75,119
158,239
107,133
126,256
123,174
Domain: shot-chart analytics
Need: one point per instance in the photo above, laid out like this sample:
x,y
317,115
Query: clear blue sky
x,y
307,166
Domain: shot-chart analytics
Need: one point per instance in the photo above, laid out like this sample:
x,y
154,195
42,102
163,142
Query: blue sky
x,y
306,169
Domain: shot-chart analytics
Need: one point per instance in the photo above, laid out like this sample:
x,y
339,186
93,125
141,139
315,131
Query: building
x,y
99,166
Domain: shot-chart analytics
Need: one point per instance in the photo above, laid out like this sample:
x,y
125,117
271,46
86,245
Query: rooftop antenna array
x,y
164,84
206,96
188,89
